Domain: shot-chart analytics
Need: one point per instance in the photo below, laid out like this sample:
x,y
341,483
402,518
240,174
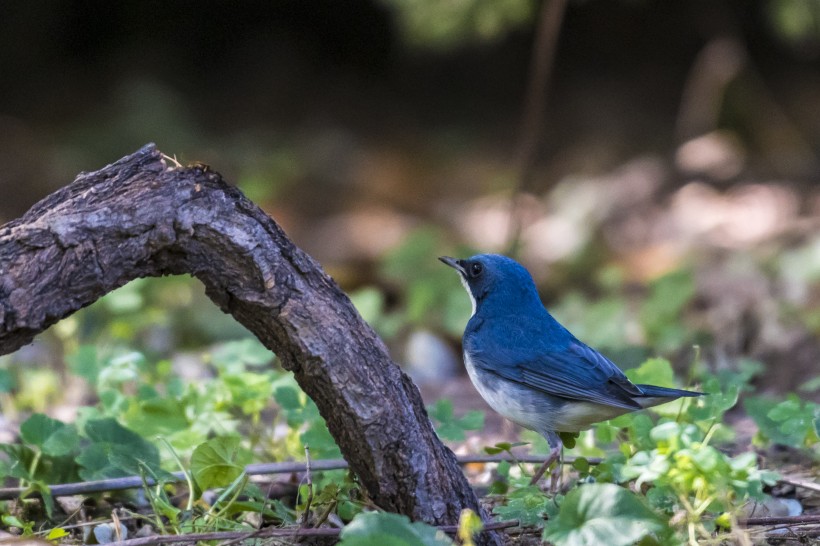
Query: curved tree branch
x,y
141,217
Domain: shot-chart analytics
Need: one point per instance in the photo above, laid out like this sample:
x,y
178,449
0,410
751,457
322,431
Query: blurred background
x,y
653,163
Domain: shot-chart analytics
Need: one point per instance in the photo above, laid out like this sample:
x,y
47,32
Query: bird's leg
x,y
557,474
555,444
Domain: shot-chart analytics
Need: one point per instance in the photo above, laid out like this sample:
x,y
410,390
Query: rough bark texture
x,y
141,217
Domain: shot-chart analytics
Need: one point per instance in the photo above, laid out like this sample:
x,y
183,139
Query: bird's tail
x,y
654,390
654,395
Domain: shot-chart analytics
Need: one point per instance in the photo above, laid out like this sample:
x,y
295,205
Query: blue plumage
x,y
528,367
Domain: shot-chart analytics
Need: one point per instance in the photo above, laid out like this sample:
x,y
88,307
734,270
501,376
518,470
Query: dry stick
x,y
131,482
309,480
799,482
532,123
807,519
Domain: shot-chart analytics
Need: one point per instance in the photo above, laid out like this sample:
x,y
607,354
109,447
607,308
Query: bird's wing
x,y
573,371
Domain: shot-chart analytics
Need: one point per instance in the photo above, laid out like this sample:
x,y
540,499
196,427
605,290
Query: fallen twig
x,y
799,482
309,482
805,519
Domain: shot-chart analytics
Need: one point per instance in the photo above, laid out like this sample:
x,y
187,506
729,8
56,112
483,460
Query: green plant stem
x,y
188,478
235,489
35,462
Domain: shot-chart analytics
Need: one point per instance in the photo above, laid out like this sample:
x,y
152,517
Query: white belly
x,y
505,401
537,410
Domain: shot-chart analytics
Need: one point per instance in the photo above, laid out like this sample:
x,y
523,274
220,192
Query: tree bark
x,y
142,217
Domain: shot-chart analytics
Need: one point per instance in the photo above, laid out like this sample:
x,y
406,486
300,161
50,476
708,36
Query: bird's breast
x,y
519,404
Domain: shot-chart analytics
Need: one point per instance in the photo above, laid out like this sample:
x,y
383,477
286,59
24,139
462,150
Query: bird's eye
x,y
476,269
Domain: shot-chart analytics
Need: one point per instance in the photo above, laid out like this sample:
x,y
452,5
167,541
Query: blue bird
x,y
532,370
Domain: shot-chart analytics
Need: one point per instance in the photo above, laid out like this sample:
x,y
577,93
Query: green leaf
x,y
321,442
251,391
14,521
19,461
528,505
661,312
721,398
115,451
569,439
85,363
121,368
39,486
812,385
287,398
56,533
380,528
450,427
7,382
789,422
654,371
235,356
53,437
581,464
218,462
369,302
156,416
597,514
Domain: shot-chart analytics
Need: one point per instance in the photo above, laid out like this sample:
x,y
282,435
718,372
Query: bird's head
x,y
495,280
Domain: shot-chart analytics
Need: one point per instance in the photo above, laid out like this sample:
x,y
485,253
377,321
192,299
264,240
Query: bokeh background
x,y
654,163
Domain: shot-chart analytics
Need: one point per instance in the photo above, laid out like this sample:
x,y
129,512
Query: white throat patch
x,y
469,292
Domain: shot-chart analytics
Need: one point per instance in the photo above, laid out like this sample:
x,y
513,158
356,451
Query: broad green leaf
x,y
109,430
85,363
654,371
528,505
53,437
720,398
95,463
369,302
235,356
7,382
218,462
596,514
321,442
812,385
126,299
251,391
382,528
115,451
789,422
569,439
661,311
121,368
18,463
287,398
451,427
156,416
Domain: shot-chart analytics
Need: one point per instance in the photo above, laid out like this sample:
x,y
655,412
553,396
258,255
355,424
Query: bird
x,y
531,369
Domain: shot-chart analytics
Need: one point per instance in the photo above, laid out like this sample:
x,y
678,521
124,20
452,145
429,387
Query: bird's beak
x,y
452,262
